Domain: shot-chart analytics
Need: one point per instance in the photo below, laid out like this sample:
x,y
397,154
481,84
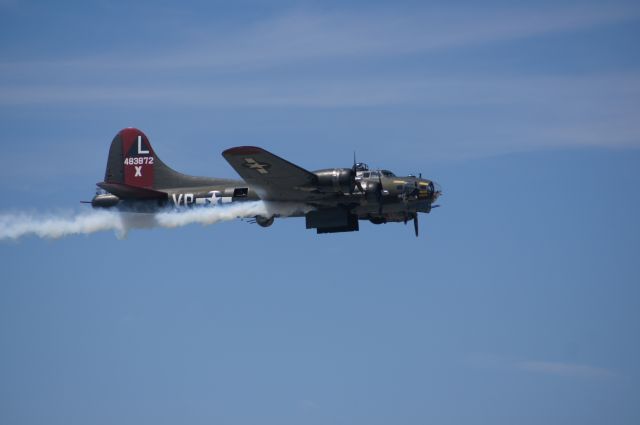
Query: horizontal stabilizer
x,y
124,191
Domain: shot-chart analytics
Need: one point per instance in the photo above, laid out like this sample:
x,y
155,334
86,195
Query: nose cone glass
x,y
437,190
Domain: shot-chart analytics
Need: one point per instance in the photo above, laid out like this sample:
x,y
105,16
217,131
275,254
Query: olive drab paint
x,y
334,199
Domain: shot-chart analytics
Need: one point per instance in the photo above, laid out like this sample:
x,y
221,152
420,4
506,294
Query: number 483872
x,y
139,160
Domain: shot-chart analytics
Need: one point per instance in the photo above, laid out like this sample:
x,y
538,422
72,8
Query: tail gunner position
x,y
137,180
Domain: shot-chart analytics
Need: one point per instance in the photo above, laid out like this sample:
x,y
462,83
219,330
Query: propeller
x,y
415,224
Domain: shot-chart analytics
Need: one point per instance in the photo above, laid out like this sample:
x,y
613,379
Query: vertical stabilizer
x,y
133,163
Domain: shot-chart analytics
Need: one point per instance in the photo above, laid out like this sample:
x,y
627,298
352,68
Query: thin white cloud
x,y
226,70
566,369
610,91
303,35
501,115
563,369
309,404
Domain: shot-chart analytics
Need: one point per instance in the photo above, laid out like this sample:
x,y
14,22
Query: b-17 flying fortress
x,y
137,180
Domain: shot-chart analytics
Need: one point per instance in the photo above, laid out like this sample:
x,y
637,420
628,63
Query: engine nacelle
x,y
338,180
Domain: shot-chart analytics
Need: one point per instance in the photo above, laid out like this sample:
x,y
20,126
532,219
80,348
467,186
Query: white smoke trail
x,y
212,215
15,226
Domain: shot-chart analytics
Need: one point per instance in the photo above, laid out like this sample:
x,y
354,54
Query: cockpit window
x,y
387,173
375,174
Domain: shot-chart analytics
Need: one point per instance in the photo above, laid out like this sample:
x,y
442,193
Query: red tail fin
x,y
131,160
133,163
137,158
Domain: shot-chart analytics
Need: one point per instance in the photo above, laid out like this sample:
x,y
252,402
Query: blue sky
x,y
518,303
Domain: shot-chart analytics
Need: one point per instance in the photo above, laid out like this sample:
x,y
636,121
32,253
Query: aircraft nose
x,y
429,190
435,189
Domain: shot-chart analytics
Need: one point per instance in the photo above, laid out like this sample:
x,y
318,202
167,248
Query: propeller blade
x,y
415,224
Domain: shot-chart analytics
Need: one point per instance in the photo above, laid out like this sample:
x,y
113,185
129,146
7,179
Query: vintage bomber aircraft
x,y
137,180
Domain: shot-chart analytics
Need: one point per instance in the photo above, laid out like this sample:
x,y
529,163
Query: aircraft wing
x,y
273,177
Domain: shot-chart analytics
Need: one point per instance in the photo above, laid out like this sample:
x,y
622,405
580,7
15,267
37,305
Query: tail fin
x,y
133,164
132,161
